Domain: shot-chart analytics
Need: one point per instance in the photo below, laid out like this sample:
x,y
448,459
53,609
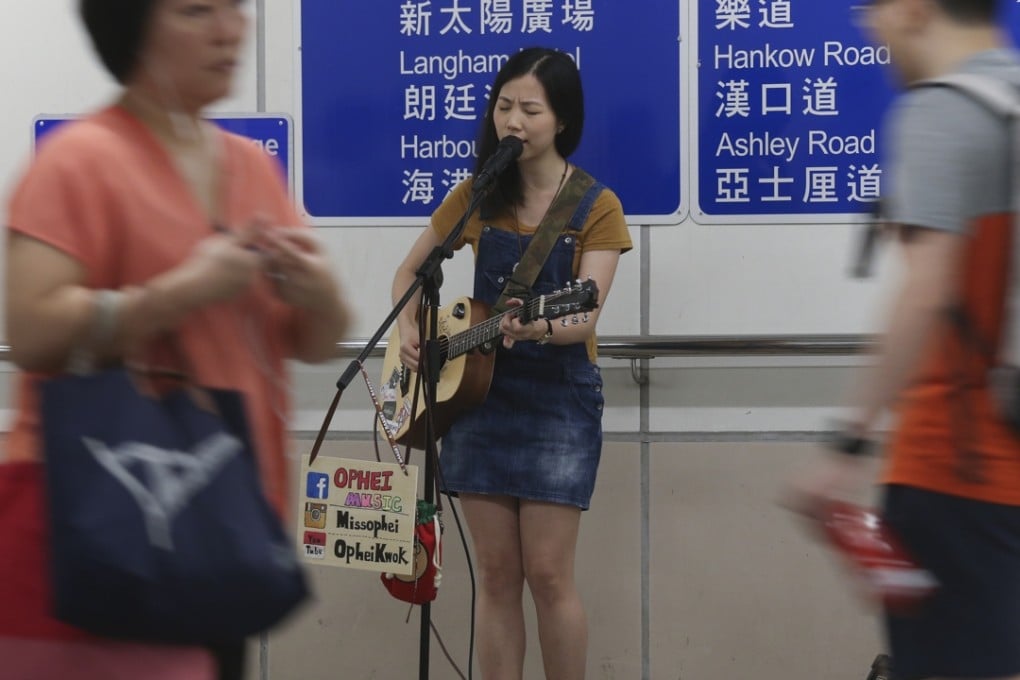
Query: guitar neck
x,y
481,333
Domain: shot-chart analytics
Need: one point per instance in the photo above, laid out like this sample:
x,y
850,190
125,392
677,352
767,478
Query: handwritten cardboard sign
x,y
358,514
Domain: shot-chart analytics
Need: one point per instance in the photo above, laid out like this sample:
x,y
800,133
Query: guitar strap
x,y
559,215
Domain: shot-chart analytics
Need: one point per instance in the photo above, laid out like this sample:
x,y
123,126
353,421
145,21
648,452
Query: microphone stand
x,y
428,278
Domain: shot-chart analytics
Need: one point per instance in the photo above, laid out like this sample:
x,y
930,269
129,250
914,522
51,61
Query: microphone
x,y
509,149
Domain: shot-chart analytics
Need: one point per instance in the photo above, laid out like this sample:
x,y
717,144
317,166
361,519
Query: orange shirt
x,y
105,191
948,412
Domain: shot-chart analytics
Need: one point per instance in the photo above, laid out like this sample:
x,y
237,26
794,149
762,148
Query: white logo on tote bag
x,y
174,476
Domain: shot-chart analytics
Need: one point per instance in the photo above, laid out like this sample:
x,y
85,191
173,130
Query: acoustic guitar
x,y
465,352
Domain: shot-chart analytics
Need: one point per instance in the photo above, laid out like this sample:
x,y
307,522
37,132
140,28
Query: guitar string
x,y
482,332
464,341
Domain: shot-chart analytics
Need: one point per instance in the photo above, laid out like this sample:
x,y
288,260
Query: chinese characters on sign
x,y
391,112
434,89
791,95
789,111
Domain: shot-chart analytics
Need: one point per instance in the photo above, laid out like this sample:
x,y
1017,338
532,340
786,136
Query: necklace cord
x,y
517,224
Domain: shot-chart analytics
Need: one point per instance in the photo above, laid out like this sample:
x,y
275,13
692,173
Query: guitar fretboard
x,y
461,343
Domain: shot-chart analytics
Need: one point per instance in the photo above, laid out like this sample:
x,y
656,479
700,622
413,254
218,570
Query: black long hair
x,y
971,11
118,30
559,77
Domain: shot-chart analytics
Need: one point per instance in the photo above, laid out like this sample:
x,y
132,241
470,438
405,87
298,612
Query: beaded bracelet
x,y
102,329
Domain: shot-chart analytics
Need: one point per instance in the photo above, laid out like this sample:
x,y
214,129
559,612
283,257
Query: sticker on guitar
x,y
389,391
466,357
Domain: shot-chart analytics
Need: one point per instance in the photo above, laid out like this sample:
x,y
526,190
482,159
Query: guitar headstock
x,y
575,298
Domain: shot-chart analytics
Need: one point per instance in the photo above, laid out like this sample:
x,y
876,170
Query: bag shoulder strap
x,y
1002,98
576,196
999,95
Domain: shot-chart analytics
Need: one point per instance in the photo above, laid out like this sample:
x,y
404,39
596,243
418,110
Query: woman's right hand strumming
x,y
410,343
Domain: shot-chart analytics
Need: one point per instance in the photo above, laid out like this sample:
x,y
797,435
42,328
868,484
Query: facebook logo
x,y
318,485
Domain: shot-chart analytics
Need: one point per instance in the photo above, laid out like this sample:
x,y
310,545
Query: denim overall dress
x,y
538,434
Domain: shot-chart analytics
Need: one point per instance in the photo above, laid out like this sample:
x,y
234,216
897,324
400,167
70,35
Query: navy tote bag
x,y
159,528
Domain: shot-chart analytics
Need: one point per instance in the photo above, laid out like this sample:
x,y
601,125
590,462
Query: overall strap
x,y
578,192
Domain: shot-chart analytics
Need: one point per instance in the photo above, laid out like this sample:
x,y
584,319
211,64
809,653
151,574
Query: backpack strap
x,y
1002,99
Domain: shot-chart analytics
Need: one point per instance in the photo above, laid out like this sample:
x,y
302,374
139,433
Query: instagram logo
x,y
315,515
318,485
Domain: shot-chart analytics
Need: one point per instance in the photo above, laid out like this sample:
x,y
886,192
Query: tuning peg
x,y
586,317
564,322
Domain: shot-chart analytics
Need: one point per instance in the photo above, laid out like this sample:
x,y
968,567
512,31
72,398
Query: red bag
x,y
25,588
889,572
33,643
423,584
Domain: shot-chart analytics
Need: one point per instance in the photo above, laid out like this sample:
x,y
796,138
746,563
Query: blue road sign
x,y
791,95
392,95
272,133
